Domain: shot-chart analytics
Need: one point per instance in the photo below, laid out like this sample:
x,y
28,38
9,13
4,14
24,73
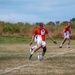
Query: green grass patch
x,y
12,56
14,39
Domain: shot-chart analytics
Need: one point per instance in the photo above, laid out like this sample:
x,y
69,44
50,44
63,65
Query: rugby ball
x,y
40,57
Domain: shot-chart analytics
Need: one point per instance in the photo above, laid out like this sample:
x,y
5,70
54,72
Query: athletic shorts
x,y
43,43
35,40
40,41
67,35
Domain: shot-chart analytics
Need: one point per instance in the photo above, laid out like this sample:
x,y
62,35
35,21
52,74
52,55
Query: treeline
x,y
26,29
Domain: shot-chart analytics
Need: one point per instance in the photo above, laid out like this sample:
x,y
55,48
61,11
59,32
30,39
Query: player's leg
x,y
62,42
38,46
68,46
44,50
35,40
65,38
32,48
68,38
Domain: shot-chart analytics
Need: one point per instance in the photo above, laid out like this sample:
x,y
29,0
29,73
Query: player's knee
x,y
44,49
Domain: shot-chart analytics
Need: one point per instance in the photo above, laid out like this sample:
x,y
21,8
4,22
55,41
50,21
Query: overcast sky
x,y
33,11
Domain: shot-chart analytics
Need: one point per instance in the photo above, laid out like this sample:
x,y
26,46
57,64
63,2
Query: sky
x,y
33,11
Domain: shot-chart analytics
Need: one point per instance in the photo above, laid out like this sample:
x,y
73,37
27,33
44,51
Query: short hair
x,y
69,22
40,24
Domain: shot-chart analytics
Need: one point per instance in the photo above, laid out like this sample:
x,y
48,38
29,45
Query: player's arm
x,y
51,38
64,31
32,39
70,31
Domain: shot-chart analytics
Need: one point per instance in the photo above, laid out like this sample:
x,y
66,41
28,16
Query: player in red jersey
x,y
67,32
40,32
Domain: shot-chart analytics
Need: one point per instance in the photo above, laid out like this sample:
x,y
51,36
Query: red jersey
x,y
67,28
41,32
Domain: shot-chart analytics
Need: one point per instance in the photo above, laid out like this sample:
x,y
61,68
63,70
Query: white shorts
x,y
35,40
40,41
67,35
43,43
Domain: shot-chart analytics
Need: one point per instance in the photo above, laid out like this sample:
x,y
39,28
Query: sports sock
x,y
32,52
34,47
61,44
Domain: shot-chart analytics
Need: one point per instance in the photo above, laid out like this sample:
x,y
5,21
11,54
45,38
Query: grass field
x,y
14,58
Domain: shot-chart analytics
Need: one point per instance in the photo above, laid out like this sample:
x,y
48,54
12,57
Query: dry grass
x,y
27,31
13,55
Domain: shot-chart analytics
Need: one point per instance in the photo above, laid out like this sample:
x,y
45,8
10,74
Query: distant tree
x,y
73,23
20,23
64,23
57,23
37,23
51,23
27,24
1,23
72,20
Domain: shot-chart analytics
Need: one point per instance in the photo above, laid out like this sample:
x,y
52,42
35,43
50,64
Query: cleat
x,y
68,47
60,46
30,56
